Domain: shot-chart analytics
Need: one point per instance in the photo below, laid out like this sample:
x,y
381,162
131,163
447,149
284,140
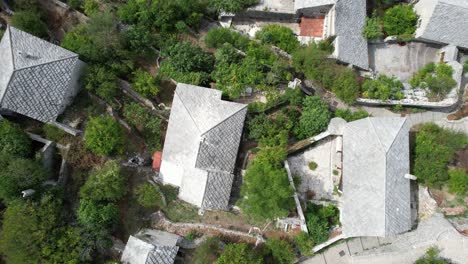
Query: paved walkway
x,y
405,248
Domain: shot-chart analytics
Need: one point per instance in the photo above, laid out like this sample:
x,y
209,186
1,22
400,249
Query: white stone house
x,y
201,146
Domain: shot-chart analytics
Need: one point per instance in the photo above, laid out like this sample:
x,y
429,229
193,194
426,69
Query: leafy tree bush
x,y
208,251
96,216
304,243
432,257
34,232
435,149
320,219
140,40
104,136
383,88
349,116
280,36
147,124
187,63
400,20
281,251
105,184
266,187
149,196
75,4
13,141
30,22
19,174
217,37
26,5
346,86
102,81
373,28
90,7
145,84
436,77
465,66
232,6
458,181
238,253
314,119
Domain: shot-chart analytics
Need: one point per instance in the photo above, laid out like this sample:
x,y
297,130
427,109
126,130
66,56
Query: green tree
x,y
147,124
436,77
208,251
232,6
140,40
102,81
19,174
13,141
240,254
105,184
458,181
304,243
349,116
346,86
145,84
90,7
149,196
104,136
314,119
30,22
383,88
373,29
281,251
280,36
400,20
96,216
217,37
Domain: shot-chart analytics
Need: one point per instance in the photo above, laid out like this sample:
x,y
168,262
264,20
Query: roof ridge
x,y
12,62
224,120
46,63
376,134
398,132
186,109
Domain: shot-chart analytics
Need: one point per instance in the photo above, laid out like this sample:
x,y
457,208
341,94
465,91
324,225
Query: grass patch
x,y
313,165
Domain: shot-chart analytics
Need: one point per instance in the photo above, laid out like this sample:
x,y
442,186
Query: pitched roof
x,y
375,161
202,141
350,45
443,21
35,75
151,247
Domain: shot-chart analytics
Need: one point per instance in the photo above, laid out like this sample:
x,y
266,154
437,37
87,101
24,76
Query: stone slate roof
x,y
375,192
443,21
151,247
201,145
35,75
350,45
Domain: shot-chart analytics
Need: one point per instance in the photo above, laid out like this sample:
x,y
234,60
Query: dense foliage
x,y
105,184
187,63
102,81
19,174
280,36
104,136
145,84
383,88
149,196
320,219
217,37
232,6
373,28
314,118
346,86
281,251
458,182
437,78
13,141
30,22
349,115
400,20
35,232
208,251
435,149
148,125
238,253
304,243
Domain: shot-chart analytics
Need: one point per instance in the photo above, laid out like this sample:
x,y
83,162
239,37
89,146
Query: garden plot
x,y
401,61
316,184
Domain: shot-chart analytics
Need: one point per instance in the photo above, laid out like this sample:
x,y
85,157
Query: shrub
x,y
346,86
304,243
102,81
400,20
13,141
432,257
217,37
465,66
349,116
373,29
30,22
314,118
280,36
97,216
238,253
232,6
104,136
145,84
320,219
435,148
148,196
281,251
19,174
90,7
383,88
147,124
312,165
105,184
458,181
208,251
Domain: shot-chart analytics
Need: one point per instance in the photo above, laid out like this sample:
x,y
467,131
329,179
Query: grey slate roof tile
x,y
35,76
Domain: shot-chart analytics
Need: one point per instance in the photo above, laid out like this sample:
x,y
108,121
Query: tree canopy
x,y
105,184
30,21
104,136
400,20
280,36
232,6
238,253
13,141
383,88
314,119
